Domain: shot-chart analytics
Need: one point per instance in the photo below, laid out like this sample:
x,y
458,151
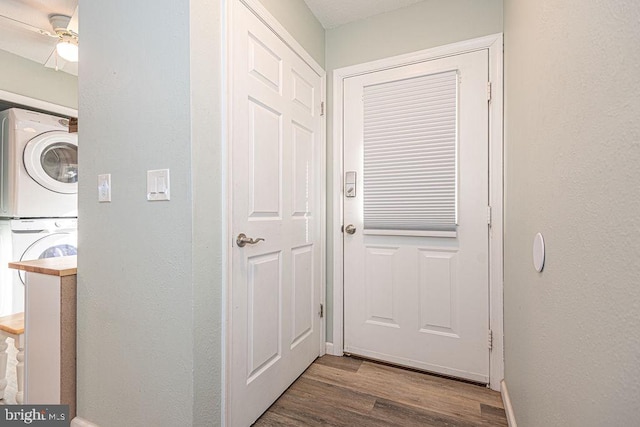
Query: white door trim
x,y
494,44
227,121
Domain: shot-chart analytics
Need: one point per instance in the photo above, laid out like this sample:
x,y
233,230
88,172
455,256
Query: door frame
x,y
272,23
494,44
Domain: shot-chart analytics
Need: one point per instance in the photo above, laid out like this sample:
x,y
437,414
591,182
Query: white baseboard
x,y
81,422
508,409
329,348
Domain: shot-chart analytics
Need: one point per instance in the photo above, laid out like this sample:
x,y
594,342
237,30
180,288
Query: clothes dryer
x,y
29,239
39,162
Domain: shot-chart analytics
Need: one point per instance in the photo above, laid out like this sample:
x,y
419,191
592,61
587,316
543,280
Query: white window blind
x,y
410,153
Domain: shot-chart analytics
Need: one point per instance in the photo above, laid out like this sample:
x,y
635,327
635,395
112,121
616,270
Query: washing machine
x,y
39,162
29,239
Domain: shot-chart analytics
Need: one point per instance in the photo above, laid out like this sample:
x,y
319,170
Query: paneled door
x,y
277,153
416,237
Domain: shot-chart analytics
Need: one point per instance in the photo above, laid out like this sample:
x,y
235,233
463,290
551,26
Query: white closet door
x,y
276,153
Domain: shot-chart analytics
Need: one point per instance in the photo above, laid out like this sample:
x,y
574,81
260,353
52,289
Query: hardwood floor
x,y
346,391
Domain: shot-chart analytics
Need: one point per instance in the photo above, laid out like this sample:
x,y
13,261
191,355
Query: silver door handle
x,y
350,229
242,240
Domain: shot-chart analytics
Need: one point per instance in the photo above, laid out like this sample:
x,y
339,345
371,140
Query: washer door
x,y
50,246
51,160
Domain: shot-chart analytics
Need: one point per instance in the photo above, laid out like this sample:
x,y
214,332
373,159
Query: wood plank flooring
x,y
346,391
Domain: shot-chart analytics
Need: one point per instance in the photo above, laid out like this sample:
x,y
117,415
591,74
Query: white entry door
x,y
277,152
416,259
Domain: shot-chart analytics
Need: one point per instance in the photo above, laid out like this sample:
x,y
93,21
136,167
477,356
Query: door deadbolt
x,y
350,184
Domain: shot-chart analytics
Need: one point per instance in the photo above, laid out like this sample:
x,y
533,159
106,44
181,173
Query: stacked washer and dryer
x,y
38,196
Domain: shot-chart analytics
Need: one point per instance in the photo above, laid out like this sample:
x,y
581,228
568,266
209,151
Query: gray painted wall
x,y
24,77
424,25
149,273
300,22
572,332
208,189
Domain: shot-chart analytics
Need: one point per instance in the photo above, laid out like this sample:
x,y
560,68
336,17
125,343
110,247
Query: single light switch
x,y
158,185
104,188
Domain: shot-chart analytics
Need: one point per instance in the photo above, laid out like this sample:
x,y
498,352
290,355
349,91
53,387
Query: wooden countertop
x,y
13,323
58,266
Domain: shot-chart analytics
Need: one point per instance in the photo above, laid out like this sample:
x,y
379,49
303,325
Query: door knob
x,y
242,240
350,229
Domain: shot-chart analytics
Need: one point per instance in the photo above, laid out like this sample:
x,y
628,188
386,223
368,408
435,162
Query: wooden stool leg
x,y
3,365
19,342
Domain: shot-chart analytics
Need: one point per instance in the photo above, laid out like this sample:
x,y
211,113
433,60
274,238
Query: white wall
x,y
423,25
149,273
300,22
572,172
28,78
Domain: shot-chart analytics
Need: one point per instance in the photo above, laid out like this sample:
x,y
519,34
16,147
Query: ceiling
x,y
25,41
333,13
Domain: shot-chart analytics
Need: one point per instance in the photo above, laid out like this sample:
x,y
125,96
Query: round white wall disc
x,y
538,252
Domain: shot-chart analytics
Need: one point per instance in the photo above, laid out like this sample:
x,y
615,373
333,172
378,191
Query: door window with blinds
x,y
410,155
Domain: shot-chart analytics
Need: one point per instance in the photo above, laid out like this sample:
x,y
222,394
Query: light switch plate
x,y
104,188
158,185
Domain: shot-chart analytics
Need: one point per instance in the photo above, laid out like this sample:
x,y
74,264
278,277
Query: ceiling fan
x,y
64,28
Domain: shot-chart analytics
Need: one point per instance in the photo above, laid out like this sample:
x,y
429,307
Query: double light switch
x,y
158,185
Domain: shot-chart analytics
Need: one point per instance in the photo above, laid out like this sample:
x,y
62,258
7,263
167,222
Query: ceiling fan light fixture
x,y
67,48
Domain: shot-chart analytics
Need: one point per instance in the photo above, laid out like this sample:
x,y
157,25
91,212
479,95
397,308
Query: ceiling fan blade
x,y
73,22
28,27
